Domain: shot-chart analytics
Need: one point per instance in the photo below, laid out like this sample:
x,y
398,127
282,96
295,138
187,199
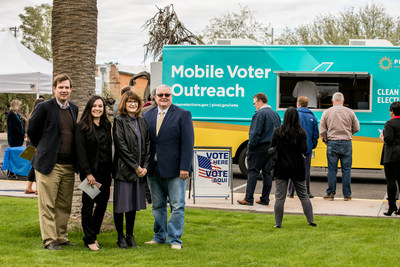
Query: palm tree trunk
x,y
74,42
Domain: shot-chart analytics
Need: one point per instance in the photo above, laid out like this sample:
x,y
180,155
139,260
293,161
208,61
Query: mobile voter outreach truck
x,y
217,84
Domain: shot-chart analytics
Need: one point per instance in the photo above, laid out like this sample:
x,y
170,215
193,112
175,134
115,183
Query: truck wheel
x,y
242,161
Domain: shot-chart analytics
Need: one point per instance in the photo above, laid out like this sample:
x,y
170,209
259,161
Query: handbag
x,y
273,156
273,153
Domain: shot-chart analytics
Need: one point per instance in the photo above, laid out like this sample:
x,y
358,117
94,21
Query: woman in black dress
x,y
391,156
290,141
93,146
132,146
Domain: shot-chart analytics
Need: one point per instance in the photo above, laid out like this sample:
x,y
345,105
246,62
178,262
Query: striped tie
x,y
160,120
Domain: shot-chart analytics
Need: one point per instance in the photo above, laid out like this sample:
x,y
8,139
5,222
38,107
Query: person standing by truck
x,y
310,124
337,127
262,127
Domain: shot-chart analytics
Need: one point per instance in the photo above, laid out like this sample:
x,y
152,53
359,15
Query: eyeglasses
x,y
129,102
161,95
254,103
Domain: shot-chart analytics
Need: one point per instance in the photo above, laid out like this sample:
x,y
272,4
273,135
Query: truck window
x,y
356,88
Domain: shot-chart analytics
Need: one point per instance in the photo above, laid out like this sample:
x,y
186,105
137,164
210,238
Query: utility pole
x,y
14,29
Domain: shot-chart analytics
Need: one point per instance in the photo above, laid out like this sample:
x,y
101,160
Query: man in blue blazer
x,y
171,153
50,130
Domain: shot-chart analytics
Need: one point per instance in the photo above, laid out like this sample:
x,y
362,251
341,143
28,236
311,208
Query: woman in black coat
x,y
15,126
132,147
93,146
391,156
290,141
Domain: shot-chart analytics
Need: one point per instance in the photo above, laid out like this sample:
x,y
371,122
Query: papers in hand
x,y
28,153
91,190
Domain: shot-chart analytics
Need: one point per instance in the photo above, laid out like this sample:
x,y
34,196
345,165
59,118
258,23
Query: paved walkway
x,y
355,207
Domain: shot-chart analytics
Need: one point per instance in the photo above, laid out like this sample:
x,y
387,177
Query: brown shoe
x,y
347,198
331,196
29,191
244,202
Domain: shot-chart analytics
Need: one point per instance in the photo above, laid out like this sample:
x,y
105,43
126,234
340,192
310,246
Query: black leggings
x,y
31,175
130,222
392,173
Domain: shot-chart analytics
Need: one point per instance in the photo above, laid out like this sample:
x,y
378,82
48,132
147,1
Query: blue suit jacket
x,y
174,143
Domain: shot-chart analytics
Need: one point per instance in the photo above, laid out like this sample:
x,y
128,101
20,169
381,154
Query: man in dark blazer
x,y
171,152
50,130
262,126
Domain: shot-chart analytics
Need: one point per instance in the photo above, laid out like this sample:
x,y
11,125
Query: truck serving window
x,y
355,86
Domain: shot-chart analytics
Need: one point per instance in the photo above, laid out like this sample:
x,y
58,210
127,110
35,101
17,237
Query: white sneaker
x,y
176,246
151,242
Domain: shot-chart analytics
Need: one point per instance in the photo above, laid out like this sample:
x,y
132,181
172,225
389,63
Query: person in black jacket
x,y
93,146
51,131
391,156
15,126
262,126
290,141
131,159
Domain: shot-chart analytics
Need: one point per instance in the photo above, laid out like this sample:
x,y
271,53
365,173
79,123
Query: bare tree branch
x,y
166,29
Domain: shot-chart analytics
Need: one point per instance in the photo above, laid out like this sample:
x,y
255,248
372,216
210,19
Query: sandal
x,y
29,191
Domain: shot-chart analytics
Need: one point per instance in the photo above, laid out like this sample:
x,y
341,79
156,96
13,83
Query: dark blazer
x,y
126,144
87,150
15,130
262,127
391,148
174,143
290,162
44,131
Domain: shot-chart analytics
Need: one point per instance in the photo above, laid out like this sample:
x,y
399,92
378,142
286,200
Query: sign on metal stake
x,y
212,172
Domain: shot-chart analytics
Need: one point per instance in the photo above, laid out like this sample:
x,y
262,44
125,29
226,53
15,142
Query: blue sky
x,y
121,36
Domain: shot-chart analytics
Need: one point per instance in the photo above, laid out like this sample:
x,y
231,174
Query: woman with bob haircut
x,y
15,125
132,153
94,151
290,141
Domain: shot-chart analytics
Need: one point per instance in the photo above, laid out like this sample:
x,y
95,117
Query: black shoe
x,y
121,242
53,246
290,196
130,241
68,244
310,195
397,212
390,211
262,202
312,224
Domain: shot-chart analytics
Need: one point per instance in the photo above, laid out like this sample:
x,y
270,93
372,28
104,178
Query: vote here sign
x,y
212,172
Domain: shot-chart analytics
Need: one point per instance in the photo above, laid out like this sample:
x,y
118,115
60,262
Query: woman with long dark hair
x,y
290,141
391,156
93,146
132,153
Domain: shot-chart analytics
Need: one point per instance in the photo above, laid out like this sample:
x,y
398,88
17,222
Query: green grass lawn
x,y
211,238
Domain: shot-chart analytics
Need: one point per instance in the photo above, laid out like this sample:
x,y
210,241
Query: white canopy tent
x,y
21,70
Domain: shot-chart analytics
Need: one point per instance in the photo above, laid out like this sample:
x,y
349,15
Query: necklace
x,y
134,124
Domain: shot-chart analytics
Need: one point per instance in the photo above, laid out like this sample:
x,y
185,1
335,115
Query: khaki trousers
x,y
55,201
